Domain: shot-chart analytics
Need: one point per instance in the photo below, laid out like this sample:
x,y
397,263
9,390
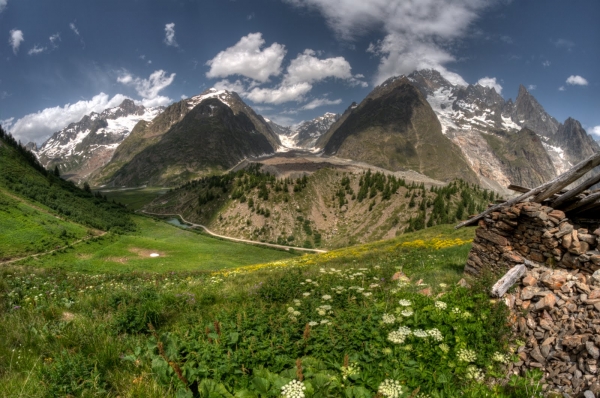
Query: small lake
x,y
177,222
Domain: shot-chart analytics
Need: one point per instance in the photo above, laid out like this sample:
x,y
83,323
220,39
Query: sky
x,y
291,60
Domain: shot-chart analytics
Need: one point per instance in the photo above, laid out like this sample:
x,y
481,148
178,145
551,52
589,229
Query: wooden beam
x,y
576,191
583,202
588,207
568,177
518,188
545,190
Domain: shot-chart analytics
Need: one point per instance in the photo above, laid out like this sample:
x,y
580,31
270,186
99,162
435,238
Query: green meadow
x,y
178,249
135,198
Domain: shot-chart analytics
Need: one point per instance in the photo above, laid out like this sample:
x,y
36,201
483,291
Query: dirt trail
x,y
253,242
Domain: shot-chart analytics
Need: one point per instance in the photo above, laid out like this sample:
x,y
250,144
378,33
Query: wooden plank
x,y
545,190
568,177
576,191
510,278
583,202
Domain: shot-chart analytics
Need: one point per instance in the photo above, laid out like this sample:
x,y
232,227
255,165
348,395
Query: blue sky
x,y
291,60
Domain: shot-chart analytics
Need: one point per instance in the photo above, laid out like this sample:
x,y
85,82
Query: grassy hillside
x,y
347,323
178,250
28,229
23,176
326,209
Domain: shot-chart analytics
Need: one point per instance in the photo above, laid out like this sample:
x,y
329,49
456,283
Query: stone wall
x,y
532,232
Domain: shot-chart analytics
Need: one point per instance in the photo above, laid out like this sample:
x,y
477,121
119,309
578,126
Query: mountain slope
x,y
395,128
83,147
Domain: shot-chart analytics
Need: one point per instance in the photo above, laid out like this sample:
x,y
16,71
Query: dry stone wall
x,y
532,233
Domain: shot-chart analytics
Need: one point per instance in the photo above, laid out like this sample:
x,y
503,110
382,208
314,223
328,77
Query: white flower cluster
x,y
420,333
388,318
338,289
440,305
293,389
405,303
349,370
398,336
407,312
444,347
326,297
473,373
390,388
466,355
435,334
502,358
293,314
324,310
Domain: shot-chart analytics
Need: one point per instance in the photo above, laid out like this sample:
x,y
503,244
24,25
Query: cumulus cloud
x,y
417,32
531,87
247,58
170,35
577,80
150,88
36,50
15,39
595,131
38,126
561,88
320,102
281,94
308,68
236,86
3,4
491,83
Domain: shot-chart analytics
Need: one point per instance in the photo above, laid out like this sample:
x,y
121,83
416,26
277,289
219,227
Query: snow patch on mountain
x,y
222,95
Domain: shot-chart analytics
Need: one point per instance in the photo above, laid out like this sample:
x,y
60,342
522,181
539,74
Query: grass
x,y
28,229
325,320
134,199
178,249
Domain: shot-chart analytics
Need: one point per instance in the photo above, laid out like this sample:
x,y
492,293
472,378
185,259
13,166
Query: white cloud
x,y
546,63
54,38
74,28
3,4
236,86
577,80
561,88
170,35
417,32
38,126
320,102
564,43
149,88
491,83
183,96
531,87
281,94
15,40
247,59
36,50
595,131
308,68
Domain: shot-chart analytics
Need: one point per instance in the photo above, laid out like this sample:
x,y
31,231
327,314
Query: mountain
x,y
396,128
482,124
207,133
305,134
83,147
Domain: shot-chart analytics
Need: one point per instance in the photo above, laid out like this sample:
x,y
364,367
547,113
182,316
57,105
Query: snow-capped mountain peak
x,y
222,95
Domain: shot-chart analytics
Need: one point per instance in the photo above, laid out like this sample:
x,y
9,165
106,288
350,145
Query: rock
x,y
596,276
528,292
592,350
594,294
553,280
557,214
529,280
492,237
571,341
546,303
563,229
590,239
463,283
567,241
426,291
589,394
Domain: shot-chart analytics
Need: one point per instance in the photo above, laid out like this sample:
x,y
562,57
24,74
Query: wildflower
x,y
456,310
466,315
326,297
473,373
293,389
290,309
373,285
502,358
387,351
444,347
435,334
324,321
388,318
407,312
309,280
350,370
367,294
420,333
313,323
398,336
322,312
405,303
466,355
443,285
440,305
390,388
306,294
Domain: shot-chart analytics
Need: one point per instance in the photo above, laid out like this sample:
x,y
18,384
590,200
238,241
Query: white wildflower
x,y
473,373
466,355
306,294
326,297
367,294
324,321
313,323
388,318
407,312
444,347
502,358
390,388
405,303
398,336
293,389
420,333
435,334
440,305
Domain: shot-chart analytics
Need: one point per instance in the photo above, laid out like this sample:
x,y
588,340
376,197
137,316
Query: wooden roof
x,y
575,202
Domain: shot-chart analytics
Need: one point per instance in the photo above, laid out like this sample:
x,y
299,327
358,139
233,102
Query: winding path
x,y
253,242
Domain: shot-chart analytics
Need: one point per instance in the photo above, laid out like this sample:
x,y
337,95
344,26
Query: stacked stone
x,y
532,232
557,313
